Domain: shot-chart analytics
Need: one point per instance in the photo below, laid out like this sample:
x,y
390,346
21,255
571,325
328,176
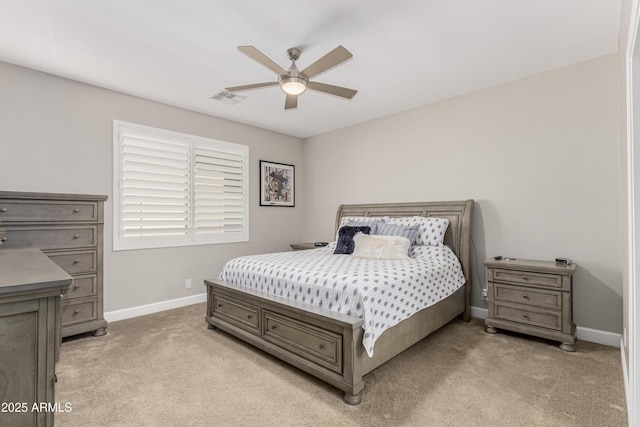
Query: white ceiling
x,y
407,53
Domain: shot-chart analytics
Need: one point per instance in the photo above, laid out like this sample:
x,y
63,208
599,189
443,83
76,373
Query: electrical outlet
x,y
187,284
484,295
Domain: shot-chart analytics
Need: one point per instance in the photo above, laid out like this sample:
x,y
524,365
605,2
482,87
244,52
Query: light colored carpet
x,y
169,369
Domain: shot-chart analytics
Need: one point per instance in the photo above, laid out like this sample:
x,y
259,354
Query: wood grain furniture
x,y
329,345
531,297
69,229
31,286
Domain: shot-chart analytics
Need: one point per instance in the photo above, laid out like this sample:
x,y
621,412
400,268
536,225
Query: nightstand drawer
x,y
47,237
529,316
44,211
76,262
240,313
528,278
529,296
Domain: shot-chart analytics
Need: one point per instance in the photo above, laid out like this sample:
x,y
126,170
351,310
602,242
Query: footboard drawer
x,y
310,342
239,313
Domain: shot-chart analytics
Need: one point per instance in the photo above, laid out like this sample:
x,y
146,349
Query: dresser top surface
x,y
50,196
26,270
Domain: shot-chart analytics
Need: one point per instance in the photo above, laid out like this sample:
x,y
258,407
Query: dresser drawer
x,y
528,278
529,316
76,262
529,296
80,311
312,343
82,287
239,313
43,211
44,238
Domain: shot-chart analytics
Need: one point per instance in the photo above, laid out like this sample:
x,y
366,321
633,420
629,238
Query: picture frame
x,y
277,184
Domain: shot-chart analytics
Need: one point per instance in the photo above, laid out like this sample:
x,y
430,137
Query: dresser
x,y
31,287
531,297
68,228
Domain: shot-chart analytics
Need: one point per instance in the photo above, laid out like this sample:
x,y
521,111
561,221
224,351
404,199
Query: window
x,y
173,189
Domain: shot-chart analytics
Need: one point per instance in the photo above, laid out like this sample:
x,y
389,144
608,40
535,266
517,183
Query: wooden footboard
x,y
321,343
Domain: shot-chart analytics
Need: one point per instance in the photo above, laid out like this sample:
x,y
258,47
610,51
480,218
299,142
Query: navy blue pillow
x,y
345,244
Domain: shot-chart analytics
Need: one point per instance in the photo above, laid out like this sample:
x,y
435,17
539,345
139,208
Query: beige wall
x,y
540,156
56,136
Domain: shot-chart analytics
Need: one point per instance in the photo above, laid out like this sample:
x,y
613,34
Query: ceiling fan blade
x,y
249,87
336,57
291,102
331,89
260,57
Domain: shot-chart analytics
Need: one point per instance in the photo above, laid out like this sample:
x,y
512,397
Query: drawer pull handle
x,y
76,286
321,346
249,316
525,296
273,327
76,236
526,316
219,305
76,261
76,312
4,239
3,210
76,210
525,278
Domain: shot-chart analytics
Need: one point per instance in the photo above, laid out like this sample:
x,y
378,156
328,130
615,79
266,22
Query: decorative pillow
x,y
386,229
361,221
432,229
344,243
380,247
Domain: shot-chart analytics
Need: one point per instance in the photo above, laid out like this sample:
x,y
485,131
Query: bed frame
x,y
328,345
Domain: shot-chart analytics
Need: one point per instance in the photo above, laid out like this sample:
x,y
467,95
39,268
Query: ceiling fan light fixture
x,y
293,85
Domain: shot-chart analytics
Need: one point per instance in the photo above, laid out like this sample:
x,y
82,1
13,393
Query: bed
x,y
329,344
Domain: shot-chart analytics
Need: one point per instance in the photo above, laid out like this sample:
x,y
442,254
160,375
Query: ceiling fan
x,y
293,81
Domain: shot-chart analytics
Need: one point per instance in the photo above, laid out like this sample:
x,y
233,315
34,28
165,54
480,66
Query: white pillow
x,y
432,229
380,247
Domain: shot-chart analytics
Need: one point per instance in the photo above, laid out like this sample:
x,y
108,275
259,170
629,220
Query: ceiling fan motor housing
x,y
294,82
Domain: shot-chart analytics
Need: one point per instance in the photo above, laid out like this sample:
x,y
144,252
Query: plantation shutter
x,y
154,186
172,189
219,207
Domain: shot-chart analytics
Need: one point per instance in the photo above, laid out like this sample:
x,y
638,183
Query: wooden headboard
x,y
458,235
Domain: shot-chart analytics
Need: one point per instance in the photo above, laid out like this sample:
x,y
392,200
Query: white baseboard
x,y
582,333
128,313
480,313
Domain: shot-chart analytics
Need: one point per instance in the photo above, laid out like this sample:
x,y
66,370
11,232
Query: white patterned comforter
x,y
382,293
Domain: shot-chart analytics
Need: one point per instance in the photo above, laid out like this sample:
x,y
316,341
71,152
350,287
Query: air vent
x,y
228,97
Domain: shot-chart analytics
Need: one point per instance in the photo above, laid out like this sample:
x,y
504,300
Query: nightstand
x,y
303,246
531,297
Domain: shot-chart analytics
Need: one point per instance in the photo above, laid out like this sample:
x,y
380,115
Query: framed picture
x,y
277,184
